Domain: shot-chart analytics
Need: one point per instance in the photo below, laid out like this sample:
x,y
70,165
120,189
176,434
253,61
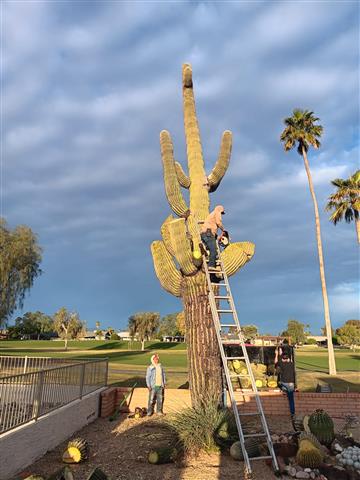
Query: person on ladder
x,y
209,229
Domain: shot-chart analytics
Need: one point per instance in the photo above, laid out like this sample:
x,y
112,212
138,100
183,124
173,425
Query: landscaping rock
x,y
302,474
290,470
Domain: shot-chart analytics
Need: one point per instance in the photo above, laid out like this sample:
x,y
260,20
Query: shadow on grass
x,y
166,346
129,382
339,384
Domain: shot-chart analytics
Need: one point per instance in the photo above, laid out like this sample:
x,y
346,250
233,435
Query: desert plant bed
x,y
121,450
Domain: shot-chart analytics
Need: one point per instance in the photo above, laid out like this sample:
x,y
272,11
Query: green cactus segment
x,y
182,246
183,179
199,195
222,163
322,426
165,269
172,186
308,456
166,234
236,255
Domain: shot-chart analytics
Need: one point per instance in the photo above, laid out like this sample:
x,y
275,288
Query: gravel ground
x,y
120,449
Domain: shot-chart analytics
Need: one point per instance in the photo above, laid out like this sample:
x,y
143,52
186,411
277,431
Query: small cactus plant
x,y
308,456
322,426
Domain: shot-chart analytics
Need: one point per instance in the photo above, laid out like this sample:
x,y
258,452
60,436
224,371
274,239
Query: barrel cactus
x,y
322,426
308,455
252,449
77,451
311,438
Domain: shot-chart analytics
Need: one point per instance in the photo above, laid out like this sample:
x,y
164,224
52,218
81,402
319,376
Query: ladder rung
x,y
240,375
250,392
219,284
255,435
225,311
248,414
227,325
264,457
235,358
222,297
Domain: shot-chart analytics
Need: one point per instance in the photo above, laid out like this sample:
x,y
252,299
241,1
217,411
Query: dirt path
x,y
120,448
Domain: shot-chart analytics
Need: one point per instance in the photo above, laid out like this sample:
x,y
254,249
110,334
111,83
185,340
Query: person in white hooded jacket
x,y
155,381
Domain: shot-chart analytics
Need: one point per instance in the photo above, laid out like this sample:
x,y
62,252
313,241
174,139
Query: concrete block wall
x,y
23,445
274,403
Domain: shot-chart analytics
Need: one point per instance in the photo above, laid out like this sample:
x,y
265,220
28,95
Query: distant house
x,y
124,335
4,334
267,340
321,340
176,338
88,335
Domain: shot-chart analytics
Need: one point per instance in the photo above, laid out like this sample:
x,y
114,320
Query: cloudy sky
x,y
88,86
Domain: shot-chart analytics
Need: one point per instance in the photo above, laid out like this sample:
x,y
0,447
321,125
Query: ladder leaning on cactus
x,y
225,319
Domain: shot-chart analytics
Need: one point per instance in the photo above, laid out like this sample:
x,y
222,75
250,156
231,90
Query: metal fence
x,y
28,396
13,365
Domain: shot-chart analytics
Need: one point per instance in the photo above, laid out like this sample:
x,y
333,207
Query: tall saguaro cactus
x,y
176,256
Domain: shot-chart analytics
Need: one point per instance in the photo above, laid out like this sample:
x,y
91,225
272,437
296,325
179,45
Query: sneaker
x,y
160,414
149,414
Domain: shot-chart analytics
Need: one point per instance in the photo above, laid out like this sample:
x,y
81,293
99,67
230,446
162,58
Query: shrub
x,y
204,427
310,341
114,336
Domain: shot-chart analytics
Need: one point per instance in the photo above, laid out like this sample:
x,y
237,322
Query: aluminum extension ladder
x,y
218,312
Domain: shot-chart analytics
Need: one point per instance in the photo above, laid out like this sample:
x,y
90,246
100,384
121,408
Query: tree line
x,y
348,334
37,325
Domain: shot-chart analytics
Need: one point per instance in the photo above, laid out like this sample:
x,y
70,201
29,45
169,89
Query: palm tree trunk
x,y
332,364
205,371
143,344
357,225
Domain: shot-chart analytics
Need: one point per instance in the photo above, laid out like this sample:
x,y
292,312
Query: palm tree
x,y
301,131
345,202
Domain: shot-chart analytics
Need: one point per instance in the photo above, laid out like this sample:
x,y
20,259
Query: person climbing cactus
x,y
209,230
177,257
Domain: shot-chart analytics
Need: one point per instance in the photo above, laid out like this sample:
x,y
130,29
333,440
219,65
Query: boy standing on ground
x,y
155,381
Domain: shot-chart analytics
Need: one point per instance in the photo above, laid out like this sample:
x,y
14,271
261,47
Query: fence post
x,y
25,364
106,372
82,378
38,395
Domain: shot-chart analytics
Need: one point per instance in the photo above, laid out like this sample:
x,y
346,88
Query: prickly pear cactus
x,y
176,256
322,426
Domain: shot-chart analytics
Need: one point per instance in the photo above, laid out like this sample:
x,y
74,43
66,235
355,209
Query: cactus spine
x,y
175,257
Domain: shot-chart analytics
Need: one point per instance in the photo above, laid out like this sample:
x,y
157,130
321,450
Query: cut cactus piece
x,y
77,451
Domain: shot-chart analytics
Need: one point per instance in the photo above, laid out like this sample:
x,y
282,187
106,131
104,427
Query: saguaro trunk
x,y
332,364
203,351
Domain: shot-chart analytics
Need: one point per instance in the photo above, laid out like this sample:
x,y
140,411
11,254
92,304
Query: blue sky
x,y
88,86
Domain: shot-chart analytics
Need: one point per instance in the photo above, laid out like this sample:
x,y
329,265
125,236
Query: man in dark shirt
x,y
286,370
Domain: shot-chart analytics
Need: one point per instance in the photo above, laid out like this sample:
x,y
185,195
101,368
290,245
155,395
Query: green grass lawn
x,y
311,363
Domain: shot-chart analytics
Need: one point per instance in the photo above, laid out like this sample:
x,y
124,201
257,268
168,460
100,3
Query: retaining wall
x,y
23,445
274,403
